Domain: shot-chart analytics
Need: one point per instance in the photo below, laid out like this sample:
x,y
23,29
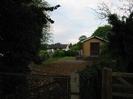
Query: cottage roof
x,y
57,46
89,38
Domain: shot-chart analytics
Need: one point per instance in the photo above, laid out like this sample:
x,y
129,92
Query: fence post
x,y
107,83
74,86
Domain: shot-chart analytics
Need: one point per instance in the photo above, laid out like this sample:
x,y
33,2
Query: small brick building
x,y
91,46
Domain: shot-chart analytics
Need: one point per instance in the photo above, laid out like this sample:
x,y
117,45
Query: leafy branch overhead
x,y
50,9
22,27
121,35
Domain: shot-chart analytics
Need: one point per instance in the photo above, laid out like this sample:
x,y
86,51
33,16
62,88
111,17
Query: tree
x,y
21,25
102,31
82,38
121,39
121,35
79,44
75,47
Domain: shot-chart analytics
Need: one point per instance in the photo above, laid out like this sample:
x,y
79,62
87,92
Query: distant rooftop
x,y
57,46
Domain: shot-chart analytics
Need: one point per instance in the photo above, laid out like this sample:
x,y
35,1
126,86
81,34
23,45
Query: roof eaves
x,y
94,37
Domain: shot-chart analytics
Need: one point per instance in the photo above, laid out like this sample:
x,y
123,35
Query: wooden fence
x,y
34,86
116,85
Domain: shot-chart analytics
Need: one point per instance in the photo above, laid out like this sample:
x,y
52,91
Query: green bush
x,y
107,60
70,53
59,53
62,53
44,54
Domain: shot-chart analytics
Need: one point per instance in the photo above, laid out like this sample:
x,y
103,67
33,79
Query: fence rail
x,y
119,74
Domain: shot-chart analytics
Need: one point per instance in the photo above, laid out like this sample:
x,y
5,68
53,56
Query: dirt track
x,y
61,67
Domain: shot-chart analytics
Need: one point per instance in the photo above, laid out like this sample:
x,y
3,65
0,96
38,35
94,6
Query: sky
x,y
74,18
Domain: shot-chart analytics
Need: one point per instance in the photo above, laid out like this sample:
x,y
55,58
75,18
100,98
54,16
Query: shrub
x,y
70,53
90,85
44,54
59,53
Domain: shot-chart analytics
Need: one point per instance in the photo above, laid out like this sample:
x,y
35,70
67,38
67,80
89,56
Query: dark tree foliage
x,y
21,24
82,38
121,39
102,31
120,17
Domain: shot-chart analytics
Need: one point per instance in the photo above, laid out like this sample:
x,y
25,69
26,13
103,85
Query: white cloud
x,y
59,29
73,19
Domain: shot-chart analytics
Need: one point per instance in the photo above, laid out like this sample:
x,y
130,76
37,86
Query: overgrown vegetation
x,y
121,36
116,54
23,24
